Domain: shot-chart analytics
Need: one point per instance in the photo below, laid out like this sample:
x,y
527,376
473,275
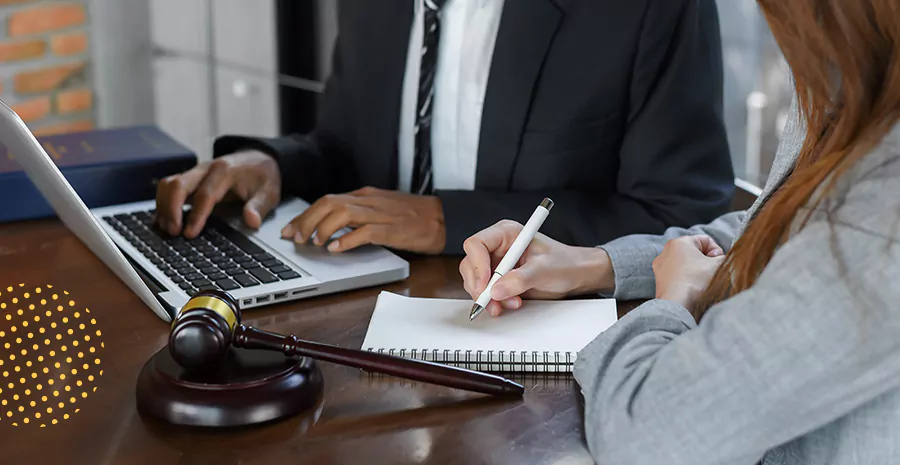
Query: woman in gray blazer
x,y
772,335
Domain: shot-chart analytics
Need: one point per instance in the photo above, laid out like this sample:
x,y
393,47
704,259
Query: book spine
x,y
102,186
20,200
97,186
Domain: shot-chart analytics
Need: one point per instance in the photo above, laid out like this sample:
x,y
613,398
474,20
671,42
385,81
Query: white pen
x,y
523,240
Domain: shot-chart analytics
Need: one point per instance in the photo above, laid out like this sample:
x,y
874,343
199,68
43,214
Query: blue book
x,y
105,167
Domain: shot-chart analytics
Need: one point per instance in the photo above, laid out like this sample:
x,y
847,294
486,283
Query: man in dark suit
x,y
457,119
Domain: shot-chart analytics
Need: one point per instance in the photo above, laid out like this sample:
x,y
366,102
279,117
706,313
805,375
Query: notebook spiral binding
x,y
496,361
536,382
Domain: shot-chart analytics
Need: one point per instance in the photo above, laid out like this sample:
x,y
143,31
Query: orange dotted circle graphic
x,y
49,356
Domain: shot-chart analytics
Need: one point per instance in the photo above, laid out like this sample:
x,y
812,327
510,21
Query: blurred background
x,y
201,68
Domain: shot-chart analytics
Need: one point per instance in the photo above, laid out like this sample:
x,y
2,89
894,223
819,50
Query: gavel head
x,y
202,331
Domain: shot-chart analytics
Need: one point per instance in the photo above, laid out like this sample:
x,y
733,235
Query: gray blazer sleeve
x,y
633,255
814,339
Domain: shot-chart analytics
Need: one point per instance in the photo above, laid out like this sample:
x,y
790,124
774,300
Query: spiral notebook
x,y
543,336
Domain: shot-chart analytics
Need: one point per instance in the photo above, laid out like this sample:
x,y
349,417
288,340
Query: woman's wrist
x,y
594,271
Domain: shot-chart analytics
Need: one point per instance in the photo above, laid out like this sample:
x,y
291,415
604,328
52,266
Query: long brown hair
x,y
845,59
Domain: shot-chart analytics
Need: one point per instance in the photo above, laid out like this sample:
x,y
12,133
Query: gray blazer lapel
x,y
788,150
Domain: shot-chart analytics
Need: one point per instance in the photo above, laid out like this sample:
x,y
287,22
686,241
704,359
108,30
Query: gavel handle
x,y
249,337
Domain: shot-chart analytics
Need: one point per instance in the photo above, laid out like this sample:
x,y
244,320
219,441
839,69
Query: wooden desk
x,y
362,419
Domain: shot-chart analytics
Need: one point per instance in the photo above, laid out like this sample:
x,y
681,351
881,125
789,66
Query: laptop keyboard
x,y
219,258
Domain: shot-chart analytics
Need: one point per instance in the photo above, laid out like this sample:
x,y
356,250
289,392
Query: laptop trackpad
x,y
316,260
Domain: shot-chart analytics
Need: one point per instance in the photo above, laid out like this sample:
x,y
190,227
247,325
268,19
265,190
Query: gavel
x,y
210,323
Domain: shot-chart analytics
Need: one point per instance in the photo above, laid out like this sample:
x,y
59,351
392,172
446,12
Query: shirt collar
x,y
481,3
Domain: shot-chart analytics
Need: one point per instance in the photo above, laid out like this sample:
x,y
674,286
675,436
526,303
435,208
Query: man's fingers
x,y
338,219
347,216
211,190
367,192
368,234
256,209
171,195
302,227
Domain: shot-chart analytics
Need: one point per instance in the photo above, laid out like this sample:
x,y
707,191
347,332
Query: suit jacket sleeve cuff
x,y
632,263
292,153
286,150
459,221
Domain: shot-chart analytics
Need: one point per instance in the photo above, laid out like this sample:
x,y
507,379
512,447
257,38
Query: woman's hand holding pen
x,y
547,270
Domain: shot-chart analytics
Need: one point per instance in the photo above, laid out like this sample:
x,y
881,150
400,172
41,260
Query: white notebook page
x,y
405,323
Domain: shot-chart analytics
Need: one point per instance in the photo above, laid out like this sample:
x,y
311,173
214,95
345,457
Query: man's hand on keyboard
x,y
250,176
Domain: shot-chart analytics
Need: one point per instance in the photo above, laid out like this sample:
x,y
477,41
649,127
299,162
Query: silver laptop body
x,y
285,271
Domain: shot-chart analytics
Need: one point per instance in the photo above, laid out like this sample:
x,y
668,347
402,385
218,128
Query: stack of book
x,y
105,167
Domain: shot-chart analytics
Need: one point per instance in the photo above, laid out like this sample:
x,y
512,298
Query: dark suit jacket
x,y
611,108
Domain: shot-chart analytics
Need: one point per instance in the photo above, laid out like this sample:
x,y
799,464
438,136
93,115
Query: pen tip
x,y
476,310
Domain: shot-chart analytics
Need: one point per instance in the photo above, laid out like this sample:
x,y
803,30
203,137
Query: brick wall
x,y
44,72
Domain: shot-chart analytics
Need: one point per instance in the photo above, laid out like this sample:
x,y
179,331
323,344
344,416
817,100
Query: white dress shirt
x,y
468,34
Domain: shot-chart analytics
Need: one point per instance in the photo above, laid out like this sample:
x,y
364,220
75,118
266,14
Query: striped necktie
x,y
422,177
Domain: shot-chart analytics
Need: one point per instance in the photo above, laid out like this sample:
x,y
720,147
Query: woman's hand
x,y
547,270
684,268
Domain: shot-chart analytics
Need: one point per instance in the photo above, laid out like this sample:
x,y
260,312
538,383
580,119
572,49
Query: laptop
x,y
257,267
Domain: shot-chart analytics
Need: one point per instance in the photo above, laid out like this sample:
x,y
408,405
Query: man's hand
x,y
250,176
392,219
684,268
